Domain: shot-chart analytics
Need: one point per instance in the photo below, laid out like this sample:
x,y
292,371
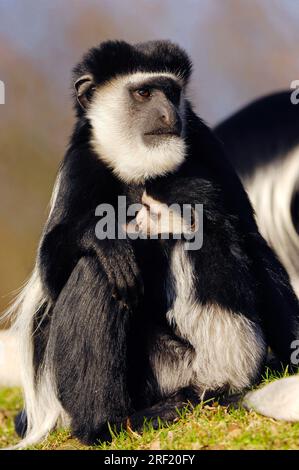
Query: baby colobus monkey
x,y
119,330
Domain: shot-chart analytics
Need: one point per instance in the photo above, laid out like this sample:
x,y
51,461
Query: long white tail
x,y
279,399
9,360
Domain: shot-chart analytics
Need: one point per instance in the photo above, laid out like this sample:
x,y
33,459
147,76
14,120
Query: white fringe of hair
x,y
42,407
271,189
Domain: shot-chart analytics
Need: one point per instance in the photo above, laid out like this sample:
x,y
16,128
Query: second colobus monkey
x,y
262,143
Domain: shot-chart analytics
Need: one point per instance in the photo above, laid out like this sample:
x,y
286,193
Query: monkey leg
x,y
88,350
165,411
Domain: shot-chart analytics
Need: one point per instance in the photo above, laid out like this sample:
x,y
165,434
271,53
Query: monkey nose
x,y
171,120
166,118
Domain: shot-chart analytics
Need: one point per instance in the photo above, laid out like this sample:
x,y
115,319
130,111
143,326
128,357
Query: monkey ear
x,y
83,86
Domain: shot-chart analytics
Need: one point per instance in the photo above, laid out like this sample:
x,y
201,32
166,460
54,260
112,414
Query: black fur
x,y
107,298
261,132
113,58
20,422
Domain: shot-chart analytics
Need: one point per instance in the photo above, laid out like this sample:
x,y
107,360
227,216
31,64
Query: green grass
x,y
208,426
10,404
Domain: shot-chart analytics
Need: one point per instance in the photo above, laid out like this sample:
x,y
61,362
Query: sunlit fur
x,y
113,129
42,407
271,190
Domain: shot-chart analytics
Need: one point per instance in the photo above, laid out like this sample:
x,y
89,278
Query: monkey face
x,y
137,123
155,107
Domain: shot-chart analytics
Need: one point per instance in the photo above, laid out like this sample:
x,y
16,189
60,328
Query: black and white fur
x,y
111,329
262,143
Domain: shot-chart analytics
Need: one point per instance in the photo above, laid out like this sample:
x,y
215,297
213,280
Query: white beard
x,y
122,149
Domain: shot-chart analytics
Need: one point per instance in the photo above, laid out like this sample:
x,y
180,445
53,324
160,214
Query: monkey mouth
x,y
163,132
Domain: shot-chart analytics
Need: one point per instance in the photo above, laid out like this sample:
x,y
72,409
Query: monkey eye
x,y
143,92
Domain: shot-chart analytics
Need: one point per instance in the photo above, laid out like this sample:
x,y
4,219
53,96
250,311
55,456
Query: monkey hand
x,y
118,260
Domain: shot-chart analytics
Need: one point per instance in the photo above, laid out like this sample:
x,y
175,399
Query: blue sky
x,y
26,21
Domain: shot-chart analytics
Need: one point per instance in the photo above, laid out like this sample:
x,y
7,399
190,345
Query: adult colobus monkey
x,y
262,142
112,329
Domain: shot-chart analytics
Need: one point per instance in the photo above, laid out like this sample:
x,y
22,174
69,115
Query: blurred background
x,y
241,49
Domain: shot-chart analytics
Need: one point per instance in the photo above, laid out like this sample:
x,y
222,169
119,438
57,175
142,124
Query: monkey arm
x,y
57,257
83,183
118,261
63,245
